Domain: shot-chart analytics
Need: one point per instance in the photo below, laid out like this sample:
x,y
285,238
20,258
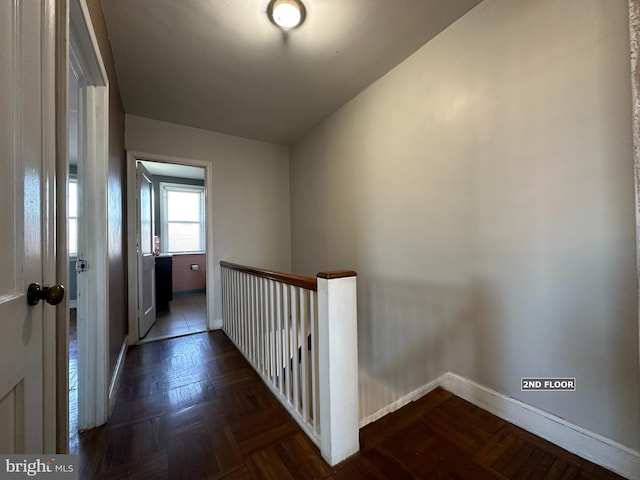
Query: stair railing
x,y
300,334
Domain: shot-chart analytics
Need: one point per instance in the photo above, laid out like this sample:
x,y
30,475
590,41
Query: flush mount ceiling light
x,y
286,14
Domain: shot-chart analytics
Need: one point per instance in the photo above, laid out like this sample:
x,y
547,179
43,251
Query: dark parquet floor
x,y
192,408
73,381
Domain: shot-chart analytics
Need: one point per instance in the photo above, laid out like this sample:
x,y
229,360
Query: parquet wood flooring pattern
x,y
193,408
73,381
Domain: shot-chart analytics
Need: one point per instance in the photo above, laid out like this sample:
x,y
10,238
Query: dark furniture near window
x,y
164,281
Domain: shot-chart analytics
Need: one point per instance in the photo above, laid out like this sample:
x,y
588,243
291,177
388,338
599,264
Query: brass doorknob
x,y
52,295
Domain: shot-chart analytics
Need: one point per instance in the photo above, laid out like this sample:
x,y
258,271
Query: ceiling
x,y
222,65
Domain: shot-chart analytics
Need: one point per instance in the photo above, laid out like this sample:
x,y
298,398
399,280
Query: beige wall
x,y
250,191
115,192
483,190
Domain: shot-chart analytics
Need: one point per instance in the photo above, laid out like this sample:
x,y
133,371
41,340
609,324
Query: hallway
x,y
192,407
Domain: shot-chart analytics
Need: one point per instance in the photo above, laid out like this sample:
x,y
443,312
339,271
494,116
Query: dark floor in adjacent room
x,y
186,314
193,408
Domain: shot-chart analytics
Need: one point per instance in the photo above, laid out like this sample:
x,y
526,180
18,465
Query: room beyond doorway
x,y
178,225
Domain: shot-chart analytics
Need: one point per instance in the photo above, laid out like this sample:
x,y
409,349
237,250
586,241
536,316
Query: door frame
x,y
76,38
132,251
50,272
634,40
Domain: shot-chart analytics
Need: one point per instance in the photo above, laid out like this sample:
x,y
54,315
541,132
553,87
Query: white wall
x,y
250,191
483,190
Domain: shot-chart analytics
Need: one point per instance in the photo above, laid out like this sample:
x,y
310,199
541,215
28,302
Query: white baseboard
x,y
117,373
216,324
592,446
401,402
589,445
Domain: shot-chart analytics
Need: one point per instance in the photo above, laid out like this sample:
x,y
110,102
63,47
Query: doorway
x,y
178,226
181,237
73,95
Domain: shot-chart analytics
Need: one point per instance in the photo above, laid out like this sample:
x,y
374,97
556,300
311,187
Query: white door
x,y
94,396
27,157
146,259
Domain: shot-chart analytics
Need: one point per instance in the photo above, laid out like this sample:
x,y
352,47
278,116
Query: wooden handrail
x,y
331,275
295,280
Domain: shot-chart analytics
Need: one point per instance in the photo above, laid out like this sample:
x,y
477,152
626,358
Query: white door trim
x,y
62,264
634,31
80,24
132,254
93,334
49,270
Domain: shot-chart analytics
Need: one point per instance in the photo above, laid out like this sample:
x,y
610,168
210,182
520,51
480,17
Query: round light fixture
x,y
286,14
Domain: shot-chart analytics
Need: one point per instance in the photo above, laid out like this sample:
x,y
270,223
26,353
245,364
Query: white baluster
x,y
232,304
303,296
260,318
278,332
253,332
286,333
245,310
315,380
267,320
295,318
273,354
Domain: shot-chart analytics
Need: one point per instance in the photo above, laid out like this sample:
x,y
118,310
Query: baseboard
x,y
401,402
217,324
184,293
589,445
117,373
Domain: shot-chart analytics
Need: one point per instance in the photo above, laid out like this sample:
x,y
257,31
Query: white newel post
x,y
338,365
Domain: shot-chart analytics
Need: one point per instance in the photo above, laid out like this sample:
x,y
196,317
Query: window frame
x,y
72,254
165,188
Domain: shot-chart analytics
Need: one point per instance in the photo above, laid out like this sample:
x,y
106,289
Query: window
x,y
73,217
182,213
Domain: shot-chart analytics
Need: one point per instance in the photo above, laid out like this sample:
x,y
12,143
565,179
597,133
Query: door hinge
x,y
81,265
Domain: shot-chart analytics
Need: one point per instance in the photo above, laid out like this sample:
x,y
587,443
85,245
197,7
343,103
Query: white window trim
x,y
164,234
73,178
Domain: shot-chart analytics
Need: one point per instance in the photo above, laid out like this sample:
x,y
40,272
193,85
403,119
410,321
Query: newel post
x,y
338,365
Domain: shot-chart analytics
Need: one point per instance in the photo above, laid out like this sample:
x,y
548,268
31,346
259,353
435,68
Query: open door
x,y
146,259
92,92
27,159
